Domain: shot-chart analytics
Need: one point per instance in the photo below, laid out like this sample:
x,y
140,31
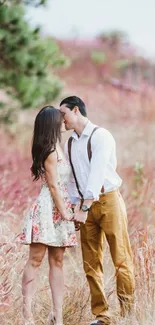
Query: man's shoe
x,y
106,319
101,322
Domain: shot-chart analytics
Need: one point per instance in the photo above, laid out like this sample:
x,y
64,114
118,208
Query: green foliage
x,y
26,60
9,109
114,37
98,57
122,64
139,173
35,3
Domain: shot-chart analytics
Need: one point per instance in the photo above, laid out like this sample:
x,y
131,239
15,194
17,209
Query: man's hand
x,y
80,216
75,209
77,225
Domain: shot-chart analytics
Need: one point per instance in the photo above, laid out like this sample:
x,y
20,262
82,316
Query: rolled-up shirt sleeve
x,y
102,144
72,189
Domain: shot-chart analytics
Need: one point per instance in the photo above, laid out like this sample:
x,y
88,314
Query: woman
x,y
48,225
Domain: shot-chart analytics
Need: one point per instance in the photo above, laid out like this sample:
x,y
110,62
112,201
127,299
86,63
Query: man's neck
x,y
81,125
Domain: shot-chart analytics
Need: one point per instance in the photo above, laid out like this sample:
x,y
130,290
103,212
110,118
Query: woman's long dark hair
x,y
47,131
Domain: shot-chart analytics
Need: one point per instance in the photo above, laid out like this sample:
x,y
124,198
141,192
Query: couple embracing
x,y
80,191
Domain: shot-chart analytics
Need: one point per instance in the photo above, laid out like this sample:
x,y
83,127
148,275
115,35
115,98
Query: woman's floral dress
x,y
44,223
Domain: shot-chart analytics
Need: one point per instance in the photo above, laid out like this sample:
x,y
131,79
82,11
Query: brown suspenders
x,y
89,143
89,157
76,182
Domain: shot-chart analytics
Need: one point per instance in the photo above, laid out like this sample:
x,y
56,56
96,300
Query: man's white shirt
x,y
100,171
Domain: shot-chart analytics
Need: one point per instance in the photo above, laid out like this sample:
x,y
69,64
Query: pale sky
x,y
87,18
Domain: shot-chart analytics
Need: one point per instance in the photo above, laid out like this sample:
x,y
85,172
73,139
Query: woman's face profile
x,y
63,128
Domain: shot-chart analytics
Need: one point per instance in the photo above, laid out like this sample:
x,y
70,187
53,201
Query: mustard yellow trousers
x,y
107,218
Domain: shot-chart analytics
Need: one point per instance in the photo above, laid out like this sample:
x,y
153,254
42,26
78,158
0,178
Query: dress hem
x,y
51,245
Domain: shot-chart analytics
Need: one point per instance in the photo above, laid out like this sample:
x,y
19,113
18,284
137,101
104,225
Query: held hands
x,y
70,213
81,212
76,210
80,216
68,216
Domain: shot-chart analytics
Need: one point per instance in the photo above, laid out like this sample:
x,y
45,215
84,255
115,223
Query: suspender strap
x,y
90,151
89,143
73,170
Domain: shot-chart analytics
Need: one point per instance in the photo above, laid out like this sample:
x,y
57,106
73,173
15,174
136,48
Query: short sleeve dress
x,y
43,222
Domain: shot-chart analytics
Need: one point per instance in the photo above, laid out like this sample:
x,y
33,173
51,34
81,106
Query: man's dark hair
x,y
73,101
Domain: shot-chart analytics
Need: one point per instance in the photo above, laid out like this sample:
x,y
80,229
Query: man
x,y
95,182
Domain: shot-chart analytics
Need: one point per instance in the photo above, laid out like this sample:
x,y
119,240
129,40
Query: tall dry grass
x,y
133,127
77,300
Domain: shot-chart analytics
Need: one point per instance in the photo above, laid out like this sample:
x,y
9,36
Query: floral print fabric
x,y
44,223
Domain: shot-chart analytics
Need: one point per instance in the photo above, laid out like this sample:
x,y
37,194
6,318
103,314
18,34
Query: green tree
x,y
35,3
26,59
98,57
114,39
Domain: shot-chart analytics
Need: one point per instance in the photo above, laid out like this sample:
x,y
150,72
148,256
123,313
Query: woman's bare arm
x,y
51,176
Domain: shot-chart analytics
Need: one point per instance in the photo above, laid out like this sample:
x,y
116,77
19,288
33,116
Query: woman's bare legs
x,y
56,279
36,255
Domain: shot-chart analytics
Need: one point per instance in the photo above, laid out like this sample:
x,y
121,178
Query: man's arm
x,y
102,144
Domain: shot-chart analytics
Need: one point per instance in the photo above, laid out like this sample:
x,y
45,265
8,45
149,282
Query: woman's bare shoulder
x,y
51,160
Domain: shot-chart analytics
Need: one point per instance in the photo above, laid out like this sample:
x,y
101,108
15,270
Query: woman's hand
x,y
80,216
76,208
69,216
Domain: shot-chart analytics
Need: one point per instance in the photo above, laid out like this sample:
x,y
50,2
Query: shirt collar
x,y
87,130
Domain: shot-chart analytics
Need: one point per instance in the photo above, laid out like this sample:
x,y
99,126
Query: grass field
x,y
131,119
